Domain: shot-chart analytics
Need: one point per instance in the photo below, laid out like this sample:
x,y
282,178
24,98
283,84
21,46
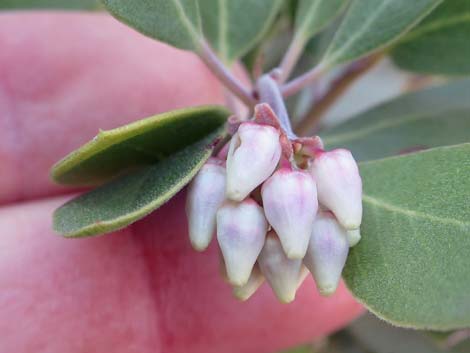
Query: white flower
x,y
283,275
241,231
290,204
206,194
252,157
339,186
245,291
327,253
354,236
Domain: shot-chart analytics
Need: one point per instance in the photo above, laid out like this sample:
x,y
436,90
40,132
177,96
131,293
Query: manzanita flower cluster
x,y
279,205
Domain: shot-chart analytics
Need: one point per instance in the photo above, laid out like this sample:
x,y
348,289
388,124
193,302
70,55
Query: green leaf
x,y
130,147
314,15
235,27
176,22
129,198
438,45
433,117
50,4
370,25
411,266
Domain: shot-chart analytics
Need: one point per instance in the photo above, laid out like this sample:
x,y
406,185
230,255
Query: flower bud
x,y
205,195
249,288
339,185
327,253
241,230
290,204
252,157
283,274
354,236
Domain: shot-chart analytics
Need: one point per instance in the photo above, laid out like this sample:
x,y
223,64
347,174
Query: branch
x,y
335,90
224,75
291,58
303,80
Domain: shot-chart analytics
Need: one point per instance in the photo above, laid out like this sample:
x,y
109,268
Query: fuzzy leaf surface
x,y
131,197
411,266
176,22
133,146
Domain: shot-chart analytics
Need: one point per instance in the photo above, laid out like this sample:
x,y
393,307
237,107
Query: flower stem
x,y
291,58
336,89
224,75
303,80
269,92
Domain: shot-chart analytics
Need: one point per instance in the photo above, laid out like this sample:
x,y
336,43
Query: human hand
x,y
62,77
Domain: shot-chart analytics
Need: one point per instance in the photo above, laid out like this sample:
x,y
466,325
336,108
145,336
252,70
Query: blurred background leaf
x,y
440,43
370,25
235,27
432,117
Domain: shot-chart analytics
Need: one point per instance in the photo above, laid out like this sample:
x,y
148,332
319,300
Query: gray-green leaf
x,y
235,27
131,197
176,22
432,117
314,15
370,25
440,44
411,266
130,147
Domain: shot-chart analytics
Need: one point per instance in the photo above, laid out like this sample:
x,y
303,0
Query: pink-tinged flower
x,y
339,185
241,230
354,236
206,194
327,252
249,288
283,275
252,157
290,204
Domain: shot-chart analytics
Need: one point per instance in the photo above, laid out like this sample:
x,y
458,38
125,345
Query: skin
x,y
143,289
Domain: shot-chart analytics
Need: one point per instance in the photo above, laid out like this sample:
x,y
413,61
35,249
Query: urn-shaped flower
x,y
205,195
253,155
290,204
339,185
241,231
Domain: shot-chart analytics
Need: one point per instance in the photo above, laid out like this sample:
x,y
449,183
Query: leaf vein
x,y
451,21
413,214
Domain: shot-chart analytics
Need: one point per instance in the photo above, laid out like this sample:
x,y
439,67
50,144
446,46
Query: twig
x,y
335,90
456,337
303,80
224,75
268,90
291,58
